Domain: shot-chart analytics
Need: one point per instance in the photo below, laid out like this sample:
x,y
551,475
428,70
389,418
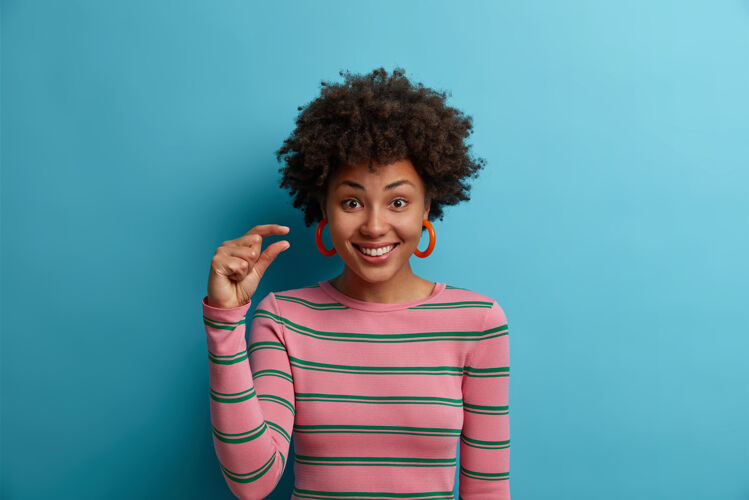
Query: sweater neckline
x,y
377,306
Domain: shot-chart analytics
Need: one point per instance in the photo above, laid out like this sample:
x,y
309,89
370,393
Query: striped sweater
x,y
378,397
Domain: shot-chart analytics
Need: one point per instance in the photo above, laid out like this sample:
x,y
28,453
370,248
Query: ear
x,y
322,208
426,208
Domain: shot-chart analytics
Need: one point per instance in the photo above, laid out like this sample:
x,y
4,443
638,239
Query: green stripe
x,y
235,397
487,476
500,371
277,399
454,305
349,398
221,325
256,346
377,370
469,335
376,429
312,305
279,429
249,476
228,359
372,495
486,410
376,461
241,437
486,445
272,373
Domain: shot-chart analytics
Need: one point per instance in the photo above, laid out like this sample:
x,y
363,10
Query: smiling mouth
x,y
377,252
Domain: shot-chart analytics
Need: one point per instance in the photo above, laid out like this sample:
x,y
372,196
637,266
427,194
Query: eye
x,y
344,202
401,200
347,202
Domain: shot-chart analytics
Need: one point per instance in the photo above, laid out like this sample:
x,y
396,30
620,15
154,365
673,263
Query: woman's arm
x,y
485,439
251,396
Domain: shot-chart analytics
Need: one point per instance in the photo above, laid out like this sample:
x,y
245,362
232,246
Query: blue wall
x,y
611,224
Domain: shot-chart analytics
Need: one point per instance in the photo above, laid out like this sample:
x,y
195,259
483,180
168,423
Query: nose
x,y
375,223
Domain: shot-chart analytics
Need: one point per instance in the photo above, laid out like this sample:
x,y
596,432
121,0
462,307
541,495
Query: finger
x,y
268,229
256,234
234,267
249,253
246,241
269,255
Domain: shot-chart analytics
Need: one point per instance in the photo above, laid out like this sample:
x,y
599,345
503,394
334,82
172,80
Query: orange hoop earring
x,y
432,240
318,239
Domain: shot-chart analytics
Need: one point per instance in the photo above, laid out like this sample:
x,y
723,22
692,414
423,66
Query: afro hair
x,y
377,118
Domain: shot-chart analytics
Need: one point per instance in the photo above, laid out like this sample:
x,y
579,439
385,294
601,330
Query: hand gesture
x,y
238,265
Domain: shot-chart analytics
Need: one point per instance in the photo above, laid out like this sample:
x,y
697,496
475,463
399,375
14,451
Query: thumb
x,y
269,255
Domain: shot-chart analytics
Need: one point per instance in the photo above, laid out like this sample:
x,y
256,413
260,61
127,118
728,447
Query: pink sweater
x,y
377,395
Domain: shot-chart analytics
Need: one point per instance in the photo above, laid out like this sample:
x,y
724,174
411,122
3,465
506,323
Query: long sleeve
x,y
251,396
485,438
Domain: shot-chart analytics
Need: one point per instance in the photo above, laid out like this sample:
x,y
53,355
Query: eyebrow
x,y
392,185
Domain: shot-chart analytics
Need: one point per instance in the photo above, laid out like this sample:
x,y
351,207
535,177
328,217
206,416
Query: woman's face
x,y
366,209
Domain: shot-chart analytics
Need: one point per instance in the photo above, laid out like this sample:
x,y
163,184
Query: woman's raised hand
x,y
238,265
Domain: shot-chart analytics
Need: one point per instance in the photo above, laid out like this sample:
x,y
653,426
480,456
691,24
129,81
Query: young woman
x,y
378,374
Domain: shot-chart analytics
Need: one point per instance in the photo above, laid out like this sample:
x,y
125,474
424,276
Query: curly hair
x,y
378,118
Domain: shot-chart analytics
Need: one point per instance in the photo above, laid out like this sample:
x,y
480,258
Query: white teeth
x,y
378,251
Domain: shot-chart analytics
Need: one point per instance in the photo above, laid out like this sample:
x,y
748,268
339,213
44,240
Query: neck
x,y
404,286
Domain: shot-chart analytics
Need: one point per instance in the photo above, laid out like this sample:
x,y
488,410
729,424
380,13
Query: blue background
x,y
611,224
